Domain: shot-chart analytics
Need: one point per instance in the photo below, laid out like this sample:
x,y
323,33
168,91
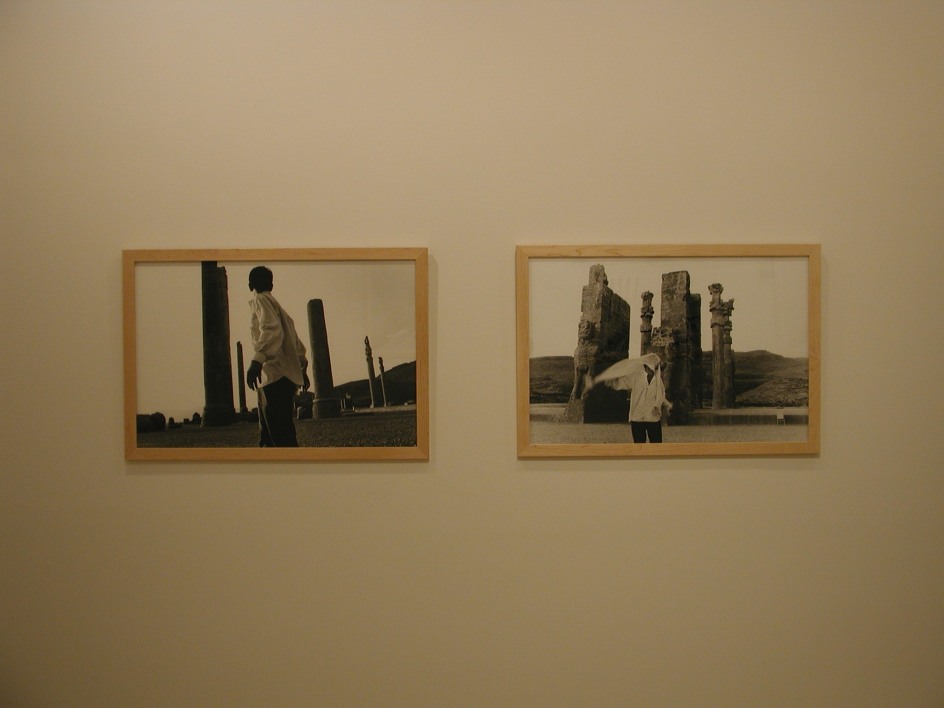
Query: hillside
x,y
761,378
552,378
399,383
764,379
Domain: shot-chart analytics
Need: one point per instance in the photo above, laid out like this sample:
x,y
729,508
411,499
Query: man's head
x,y
260,279
651,362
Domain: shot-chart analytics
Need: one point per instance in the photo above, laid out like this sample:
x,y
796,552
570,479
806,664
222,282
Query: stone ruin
x,y
371,375
219,408
150,422
603,339
677,340
376,384
324,401
217,367
722,363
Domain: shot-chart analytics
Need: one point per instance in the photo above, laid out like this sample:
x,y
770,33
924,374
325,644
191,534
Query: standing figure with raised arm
x,y
648,405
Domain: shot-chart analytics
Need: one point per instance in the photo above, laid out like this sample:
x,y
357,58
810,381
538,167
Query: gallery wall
x,y
474,578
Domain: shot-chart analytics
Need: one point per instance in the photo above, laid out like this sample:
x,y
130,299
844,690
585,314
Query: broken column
x,y
371,376
694,338
728,357
645,329
241,379
217,363
663,343
325,404
676,318
602,340
722,356
383,385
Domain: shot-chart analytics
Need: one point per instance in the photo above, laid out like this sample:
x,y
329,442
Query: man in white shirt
x,y
279,366
642,377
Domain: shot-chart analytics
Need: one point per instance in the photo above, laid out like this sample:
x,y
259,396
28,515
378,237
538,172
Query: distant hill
x,y
761,378
399,383
552,379
765,379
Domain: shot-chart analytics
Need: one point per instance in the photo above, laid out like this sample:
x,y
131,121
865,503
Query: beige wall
x,y
475,578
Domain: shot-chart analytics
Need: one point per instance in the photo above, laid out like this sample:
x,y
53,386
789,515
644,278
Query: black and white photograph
x,y
276,354
671,350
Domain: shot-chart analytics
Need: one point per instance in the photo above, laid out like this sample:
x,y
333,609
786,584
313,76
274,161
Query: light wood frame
x,y
564,443
133,260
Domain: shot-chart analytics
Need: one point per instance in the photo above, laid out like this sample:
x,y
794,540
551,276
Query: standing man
x,y
642,377
278,367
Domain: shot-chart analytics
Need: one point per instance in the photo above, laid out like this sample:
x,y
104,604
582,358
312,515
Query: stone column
x,y
716,307
383,385
371,376
728,357
325,404
242,379
645,329
694,338
675,316
217,362
602,339
665,345
722,356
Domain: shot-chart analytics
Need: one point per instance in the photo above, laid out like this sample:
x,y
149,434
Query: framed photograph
x,y
276,354
675,350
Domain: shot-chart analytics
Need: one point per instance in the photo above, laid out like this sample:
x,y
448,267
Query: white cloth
x,y
646,397
275,341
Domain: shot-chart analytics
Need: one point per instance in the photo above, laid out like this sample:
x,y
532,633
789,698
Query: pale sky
x,y
362,298
770,299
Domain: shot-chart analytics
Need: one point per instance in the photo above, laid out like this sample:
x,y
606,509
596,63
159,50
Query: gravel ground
x,y
381,429
547,433
547,429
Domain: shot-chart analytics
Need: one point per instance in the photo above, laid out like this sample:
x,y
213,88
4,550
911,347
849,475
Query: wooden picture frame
x,y
736,394
352,308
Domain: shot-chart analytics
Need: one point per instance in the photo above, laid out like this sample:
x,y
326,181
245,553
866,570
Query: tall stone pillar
x,y
241,380
645,329
728,357
325,404
694,338
217,363
675,316
602,340
383,385
665,345
722,356
716,307
371,376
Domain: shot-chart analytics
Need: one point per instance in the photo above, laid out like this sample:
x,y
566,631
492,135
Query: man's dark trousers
x,y
277,414
642,429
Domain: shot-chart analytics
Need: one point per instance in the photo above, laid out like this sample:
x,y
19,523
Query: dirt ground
x,y
378,429
547,429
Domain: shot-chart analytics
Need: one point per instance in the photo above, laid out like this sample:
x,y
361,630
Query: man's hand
x,y
254,375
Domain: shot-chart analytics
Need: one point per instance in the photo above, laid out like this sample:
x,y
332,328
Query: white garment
x,y
276,343
646,397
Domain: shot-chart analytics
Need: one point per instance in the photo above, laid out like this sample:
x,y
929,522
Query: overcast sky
x,y
370,298
770,299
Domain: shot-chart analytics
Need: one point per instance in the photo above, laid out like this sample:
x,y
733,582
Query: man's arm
x,y
267,335
267,331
